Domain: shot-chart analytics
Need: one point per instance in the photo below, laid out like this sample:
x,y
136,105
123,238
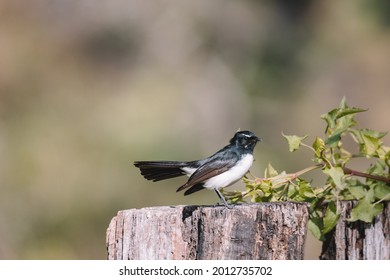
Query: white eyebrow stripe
x,y
246,135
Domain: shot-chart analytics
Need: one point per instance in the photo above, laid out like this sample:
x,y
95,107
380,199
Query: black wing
x,y
218,164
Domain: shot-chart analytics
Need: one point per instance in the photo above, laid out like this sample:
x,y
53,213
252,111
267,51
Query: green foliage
x,y
369,188
294,142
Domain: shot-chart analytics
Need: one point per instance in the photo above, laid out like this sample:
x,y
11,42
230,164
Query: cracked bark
x,y
358,240
251,231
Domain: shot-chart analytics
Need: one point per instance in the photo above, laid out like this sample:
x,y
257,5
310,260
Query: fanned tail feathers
x,y
160,170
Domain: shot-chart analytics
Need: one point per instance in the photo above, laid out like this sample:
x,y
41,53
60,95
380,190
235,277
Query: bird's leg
x,y
223,199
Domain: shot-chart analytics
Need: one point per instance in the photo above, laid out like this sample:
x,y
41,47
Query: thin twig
x,y
308,169
366,175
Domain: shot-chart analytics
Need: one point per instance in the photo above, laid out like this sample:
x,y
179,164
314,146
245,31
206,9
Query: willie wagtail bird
x,y
218,171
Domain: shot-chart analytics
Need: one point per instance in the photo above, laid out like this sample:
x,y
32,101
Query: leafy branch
x,y
370,187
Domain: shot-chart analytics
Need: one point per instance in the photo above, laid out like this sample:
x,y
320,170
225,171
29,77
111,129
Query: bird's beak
x,y
257,139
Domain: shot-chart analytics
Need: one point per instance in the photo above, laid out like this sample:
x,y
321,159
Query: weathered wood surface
x,y
358,240
251,231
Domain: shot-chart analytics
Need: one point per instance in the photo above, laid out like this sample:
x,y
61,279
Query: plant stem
x,y
307,146
308,169
365,175
383,199
346,171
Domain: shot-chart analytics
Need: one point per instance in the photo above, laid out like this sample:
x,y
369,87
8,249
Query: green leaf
x,y
345,195
333,140
379,168
345,110
370,145
339,120
344,156
316,226
294,142
266,187
381,191
337,176
331,217
330,119
370,196
365,211
292,193
271,171
349,111
343,103
318,146
384,153
358,192
305,190
373,133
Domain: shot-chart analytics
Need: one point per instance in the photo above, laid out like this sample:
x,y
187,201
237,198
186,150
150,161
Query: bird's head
x,y
245,139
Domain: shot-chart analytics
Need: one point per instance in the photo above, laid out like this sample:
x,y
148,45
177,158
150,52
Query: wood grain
x,y
250,231
358,240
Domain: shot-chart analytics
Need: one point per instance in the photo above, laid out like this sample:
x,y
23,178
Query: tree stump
x,y
263,231
358,240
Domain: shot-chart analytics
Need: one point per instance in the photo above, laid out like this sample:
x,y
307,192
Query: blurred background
x,y
87,87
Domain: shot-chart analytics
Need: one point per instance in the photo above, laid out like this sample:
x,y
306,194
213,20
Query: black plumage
x,y
215,172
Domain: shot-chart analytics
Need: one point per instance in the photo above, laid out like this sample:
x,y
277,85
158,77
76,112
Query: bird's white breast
x,y
232,175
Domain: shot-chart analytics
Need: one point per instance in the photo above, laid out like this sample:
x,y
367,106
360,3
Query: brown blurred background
x,y
87,87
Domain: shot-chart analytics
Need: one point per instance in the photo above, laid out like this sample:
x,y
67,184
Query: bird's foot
x,y
229,206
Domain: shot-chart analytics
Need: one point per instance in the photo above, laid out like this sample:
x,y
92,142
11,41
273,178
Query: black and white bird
x,y
218,171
